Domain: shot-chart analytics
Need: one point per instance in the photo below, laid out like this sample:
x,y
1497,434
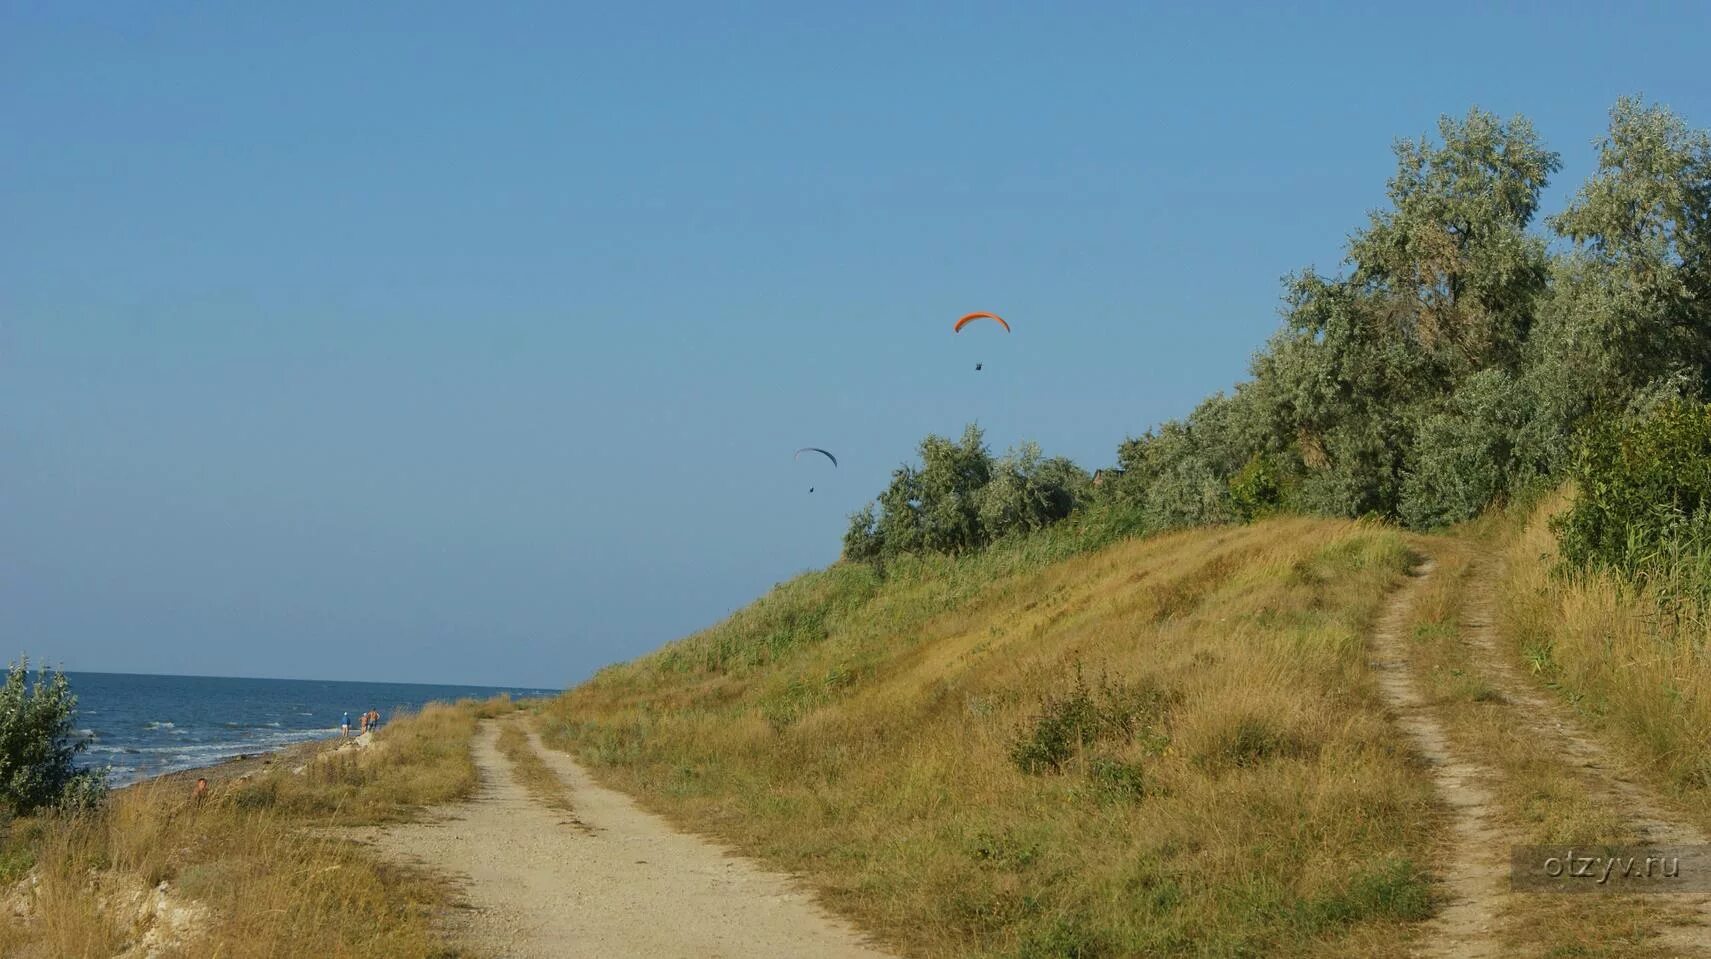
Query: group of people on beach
x,y
370,722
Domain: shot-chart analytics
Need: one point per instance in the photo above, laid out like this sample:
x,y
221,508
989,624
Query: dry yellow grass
x,y
1635,674
1211,771
245,875
1165,746
1540,798
530,770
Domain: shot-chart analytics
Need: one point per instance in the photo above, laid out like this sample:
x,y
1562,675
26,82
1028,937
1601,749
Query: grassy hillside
x,y
1171,744
1628,653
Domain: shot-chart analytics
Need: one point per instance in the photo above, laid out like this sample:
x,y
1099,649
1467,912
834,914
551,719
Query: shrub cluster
x,y
38,744
1644,485
1071,723
961,498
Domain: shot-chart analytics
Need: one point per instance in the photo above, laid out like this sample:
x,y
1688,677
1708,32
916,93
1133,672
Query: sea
x,y
141,726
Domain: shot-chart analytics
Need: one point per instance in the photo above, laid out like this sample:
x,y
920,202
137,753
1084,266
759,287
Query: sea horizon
x,y
71,673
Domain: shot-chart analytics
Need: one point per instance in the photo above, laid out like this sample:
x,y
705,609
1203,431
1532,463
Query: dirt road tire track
x,y
1473,867
1474,874
627,885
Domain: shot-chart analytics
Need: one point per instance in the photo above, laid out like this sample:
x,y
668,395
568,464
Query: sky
x,y
470,344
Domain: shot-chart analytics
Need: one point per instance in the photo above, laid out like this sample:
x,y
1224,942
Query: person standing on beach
x,y
362,724
345,724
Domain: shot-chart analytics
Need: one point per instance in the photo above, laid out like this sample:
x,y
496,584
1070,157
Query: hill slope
x,y
1162,745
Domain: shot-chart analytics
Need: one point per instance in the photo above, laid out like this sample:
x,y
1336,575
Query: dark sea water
x,y
142,726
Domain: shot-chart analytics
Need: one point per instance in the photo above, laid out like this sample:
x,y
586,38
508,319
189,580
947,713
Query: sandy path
x,y
628,885
1475,867
1535,713
1475,873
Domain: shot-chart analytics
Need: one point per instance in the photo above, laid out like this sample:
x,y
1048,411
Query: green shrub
x,y
1064,725
1248,741
1463,458
960,500
37,745
1256,491
1645,488
1070,722
1116,781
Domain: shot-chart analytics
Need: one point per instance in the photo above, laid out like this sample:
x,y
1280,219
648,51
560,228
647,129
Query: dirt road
x,y
1474,882
1478,914
628,884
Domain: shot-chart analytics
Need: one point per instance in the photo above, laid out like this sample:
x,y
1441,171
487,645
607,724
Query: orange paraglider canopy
x,y
979,316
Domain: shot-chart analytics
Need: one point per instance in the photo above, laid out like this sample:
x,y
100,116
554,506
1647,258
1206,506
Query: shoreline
x,y
240,767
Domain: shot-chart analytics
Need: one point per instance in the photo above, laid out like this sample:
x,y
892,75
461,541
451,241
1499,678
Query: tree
x,y
1631,303
863,542
37,744
961,499
1444,287
1027,491
1453,256
1469,454
1344,383
949,483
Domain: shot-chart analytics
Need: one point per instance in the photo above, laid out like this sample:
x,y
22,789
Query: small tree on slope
x,y
37,743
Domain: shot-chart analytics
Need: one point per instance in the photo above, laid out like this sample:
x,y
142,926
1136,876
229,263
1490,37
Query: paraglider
x,y
968,318
971,317
816,449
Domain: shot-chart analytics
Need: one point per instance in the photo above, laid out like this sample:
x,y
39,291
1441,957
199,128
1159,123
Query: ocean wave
x,y
128,764
162,725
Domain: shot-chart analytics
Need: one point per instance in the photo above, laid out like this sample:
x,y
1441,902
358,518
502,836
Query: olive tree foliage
x,y
960,498
1630,306
1343,379
1469,452
1027,491
1453,362
1172,472
38,744
1451,260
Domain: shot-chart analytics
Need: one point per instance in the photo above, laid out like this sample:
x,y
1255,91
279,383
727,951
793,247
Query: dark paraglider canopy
x,y
816,449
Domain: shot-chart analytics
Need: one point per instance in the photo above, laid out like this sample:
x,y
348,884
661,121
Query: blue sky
x,y
415,342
